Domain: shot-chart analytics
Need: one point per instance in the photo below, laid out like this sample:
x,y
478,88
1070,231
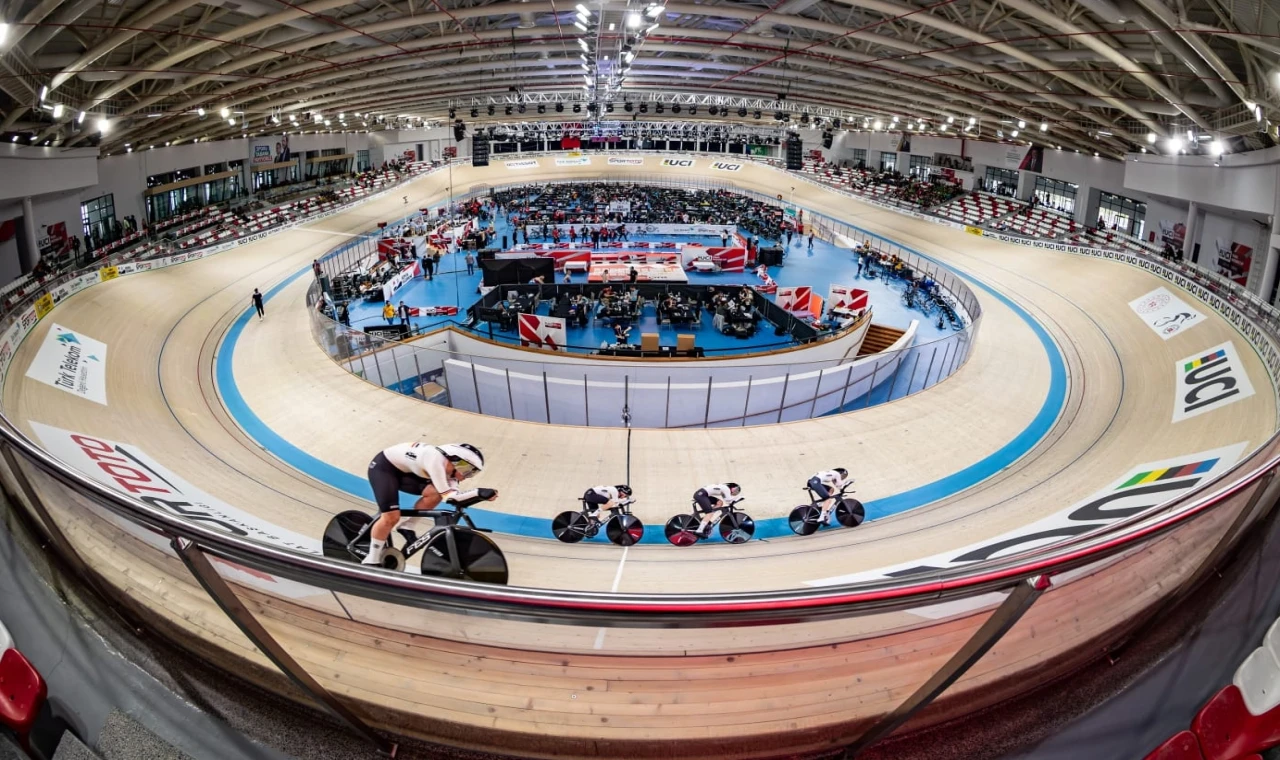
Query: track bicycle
x,y
453,548
621,527
806,519
736,527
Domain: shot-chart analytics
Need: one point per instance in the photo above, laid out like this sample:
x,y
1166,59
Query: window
x,y
362,160
1056,194
97,216
888,162
159,179
919,167
214,168
1122,214
1002,181
859,158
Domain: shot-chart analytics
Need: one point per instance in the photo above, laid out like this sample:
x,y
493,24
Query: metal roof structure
x,y
1104,75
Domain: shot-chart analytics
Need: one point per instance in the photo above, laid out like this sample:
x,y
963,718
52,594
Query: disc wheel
x,y
624,530
339,533
571,527
682,530
804,520
737,528
479,558
850,513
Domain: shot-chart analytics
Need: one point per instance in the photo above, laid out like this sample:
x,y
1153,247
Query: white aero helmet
x,y
465,458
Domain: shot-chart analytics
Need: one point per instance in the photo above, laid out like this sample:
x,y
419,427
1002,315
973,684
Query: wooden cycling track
x,y
596,692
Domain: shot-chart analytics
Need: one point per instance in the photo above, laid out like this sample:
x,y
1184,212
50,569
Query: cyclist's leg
x,y
384,478
823,495
706,506
594,502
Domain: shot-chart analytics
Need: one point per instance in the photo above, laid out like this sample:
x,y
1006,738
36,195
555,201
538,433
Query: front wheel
x,y
624,530
737,528
682,530
850,513
479,558
804,520
571,527
340,536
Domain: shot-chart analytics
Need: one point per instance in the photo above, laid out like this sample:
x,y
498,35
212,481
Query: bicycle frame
x,y
446,521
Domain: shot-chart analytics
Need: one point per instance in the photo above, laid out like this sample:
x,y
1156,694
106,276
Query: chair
x,y
685,342
6,641
1227,730
649,342
1258,679
22,694
1272,640
1181,746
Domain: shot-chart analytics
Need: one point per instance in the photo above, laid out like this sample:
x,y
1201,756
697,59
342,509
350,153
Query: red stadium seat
x,y
22,694
1227,731
1181,746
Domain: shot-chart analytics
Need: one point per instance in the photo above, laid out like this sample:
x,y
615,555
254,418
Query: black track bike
x,y
806,519
621,527
453,548
736,527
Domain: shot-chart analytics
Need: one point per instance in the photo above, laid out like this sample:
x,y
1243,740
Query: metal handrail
x,y
662,610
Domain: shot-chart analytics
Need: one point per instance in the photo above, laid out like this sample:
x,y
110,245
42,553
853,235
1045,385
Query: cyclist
x,y
601,499
430,472
710,500
826,486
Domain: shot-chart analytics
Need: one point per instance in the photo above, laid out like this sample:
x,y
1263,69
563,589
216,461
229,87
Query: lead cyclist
x,y
432,473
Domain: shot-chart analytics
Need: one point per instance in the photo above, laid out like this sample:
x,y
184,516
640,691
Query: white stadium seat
x,y
6,641
1258,679
1272,640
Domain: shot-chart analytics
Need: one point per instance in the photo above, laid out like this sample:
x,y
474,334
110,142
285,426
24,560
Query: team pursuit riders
x,y
710,500
826,485
600,499
430,472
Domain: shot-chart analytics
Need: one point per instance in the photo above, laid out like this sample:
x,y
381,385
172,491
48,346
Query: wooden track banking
x,y
736,692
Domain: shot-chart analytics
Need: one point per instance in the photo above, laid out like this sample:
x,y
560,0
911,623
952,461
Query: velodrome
x,y
620,689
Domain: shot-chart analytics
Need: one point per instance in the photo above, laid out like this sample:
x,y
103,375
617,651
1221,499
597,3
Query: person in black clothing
x,y
344,317
257,303
404,313
429,266
633,276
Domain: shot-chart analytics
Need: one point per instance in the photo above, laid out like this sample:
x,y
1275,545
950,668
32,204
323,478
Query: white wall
x,y
1247,188
30,172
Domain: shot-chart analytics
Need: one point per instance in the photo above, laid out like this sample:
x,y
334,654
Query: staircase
x,y
879,338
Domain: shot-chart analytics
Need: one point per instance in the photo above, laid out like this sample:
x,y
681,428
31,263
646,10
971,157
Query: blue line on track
x,y
540,527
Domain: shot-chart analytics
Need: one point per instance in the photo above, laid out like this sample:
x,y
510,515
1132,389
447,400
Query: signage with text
x,y
1141,488
678,163
1208,380
72,362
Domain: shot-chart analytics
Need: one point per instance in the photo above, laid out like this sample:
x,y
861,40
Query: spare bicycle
x,y
621,527
806,519
736,527
453,548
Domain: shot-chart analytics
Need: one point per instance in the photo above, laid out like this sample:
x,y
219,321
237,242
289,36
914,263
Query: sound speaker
x,y
479,151
827,139
795,153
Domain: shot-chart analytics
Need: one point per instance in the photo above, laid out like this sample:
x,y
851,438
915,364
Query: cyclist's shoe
x,y
703,532
409,536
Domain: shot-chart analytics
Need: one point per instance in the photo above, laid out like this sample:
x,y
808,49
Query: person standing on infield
x,y
257,303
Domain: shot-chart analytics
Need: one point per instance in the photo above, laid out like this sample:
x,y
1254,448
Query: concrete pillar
x,y
1192,227
29,246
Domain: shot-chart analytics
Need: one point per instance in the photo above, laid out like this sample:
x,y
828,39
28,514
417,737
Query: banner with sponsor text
x,y
72,362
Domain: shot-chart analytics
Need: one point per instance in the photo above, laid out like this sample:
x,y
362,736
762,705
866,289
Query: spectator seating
x,y
22,695
1041,223
976,209
1181,746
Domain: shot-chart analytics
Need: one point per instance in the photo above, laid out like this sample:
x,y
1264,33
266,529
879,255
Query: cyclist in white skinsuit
x,y
600,499
430,472
826,486
710,500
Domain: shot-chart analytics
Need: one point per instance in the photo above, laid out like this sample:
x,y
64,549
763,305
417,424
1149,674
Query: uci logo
x,y
680,162
724,166
1210,380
